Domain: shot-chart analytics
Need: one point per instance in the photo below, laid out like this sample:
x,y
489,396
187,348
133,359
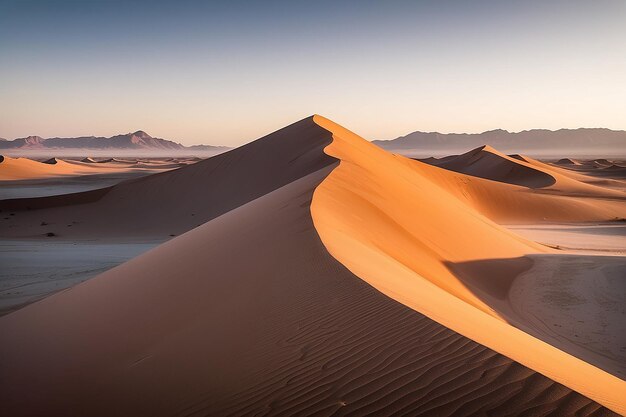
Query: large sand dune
x,y
251,312
412,240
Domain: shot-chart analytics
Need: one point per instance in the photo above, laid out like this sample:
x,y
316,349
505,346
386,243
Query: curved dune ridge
x,y
265,308
398,231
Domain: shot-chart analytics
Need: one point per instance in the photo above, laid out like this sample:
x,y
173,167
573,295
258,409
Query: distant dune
x,y
567,161
486,162
12,169
23,168
315,273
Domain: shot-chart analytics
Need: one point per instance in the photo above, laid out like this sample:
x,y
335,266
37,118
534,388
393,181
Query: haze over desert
x,y
463,254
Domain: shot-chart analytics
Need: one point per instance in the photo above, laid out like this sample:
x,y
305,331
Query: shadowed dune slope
x,y
398,230
247,315
176,201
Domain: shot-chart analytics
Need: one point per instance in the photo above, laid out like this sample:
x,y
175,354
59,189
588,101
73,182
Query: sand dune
x,y
176,201
299,335
251,312
486,162
567,161
50,161
509,203
490,182
406,237
27,169
602,162
588,173
23,168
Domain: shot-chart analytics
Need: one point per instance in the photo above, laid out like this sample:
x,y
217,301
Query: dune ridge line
x,y
374,215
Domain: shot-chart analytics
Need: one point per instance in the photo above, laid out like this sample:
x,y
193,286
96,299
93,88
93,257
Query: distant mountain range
x,y
570,141
139,140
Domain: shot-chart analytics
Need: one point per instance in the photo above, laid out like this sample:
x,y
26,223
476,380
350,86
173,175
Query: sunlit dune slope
x,y
249,314
398,230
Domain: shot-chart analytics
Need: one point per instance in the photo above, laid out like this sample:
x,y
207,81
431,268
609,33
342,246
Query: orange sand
x,y
397,229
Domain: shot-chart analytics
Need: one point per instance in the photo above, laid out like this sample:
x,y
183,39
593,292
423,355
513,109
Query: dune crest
x,y
396,230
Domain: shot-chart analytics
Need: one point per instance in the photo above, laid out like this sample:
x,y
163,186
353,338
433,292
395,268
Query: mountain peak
x,y
141,134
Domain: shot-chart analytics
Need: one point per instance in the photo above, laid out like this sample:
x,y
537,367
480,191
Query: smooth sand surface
x,y
43,187
250,314
557,300
594,239
33,269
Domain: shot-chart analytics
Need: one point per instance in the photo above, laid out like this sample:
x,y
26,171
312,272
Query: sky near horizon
x,y
229,72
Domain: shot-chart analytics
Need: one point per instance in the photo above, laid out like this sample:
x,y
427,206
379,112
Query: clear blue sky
x,y
228,72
